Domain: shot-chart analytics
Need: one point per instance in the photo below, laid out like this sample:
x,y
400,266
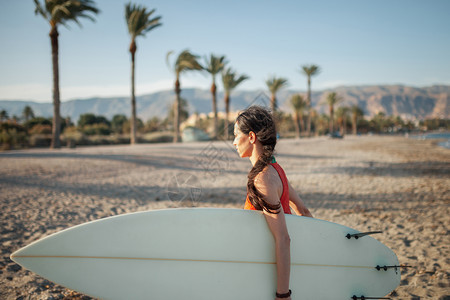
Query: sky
x,y
354,42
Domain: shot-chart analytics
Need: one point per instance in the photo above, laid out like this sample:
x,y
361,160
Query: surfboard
x,y
210,253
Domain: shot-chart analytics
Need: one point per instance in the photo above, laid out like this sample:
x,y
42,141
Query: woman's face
x,y
242,142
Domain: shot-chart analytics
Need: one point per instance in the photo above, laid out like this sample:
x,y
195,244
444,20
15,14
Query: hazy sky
x,y
354,42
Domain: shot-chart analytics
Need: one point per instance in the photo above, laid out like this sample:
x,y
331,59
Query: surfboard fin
x,y
361,234
363,297
379,268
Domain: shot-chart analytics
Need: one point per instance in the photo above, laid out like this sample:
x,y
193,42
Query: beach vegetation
x,y
91,119
3,115
37,121
27,113
92,129
40,129
214,65
96,129
139,124
154,124
57,13
183,111
117,123
357,114
90,124
185,62
342,118
139,22
286,124
332,99
230,80
309,71
12,136
436,124
299,105
274,84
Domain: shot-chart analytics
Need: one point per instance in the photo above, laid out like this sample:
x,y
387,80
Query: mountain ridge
x,y
402,100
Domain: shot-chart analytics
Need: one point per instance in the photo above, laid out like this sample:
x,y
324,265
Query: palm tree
x,y
314,120
3,115
139,22
357,113
332,99
274,84
322,124
186,61
27,113
214,65
309,71
230,81
60,12
298,104
342,117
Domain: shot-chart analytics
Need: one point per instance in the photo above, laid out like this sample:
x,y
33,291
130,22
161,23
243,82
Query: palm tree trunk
x,y
354,129
308,120
133,99
176,137
56,128
302,123
297,125
273,103
331,119
214,104
227,112
344,125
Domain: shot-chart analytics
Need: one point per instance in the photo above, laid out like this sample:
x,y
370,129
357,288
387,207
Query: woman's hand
x,y
297,204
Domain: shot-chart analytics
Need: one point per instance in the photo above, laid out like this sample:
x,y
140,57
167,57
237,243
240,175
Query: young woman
x,y
268,189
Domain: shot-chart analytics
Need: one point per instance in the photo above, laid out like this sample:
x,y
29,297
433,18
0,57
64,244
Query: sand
x,y
397,185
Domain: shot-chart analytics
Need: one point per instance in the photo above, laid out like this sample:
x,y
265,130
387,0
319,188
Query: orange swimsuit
x,y
284,196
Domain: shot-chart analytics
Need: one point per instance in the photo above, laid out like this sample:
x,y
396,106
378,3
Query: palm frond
x,y
139,20
62,11
298,102
311,70
169,53
357,111
40,10
230,80
276,83
333,98
186,61
214,64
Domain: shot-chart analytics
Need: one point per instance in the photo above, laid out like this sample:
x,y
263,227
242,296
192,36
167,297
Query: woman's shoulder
x,y
268,177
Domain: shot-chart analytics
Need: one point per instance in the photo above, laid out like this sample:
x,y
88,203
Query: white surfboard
x,y
208,253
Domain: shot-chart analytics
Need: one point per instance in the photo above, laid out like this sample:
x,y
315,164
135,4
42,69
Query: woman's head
x,y
257,122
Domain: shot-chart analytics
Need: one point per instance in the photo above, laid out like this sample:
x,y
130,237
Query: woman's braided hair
x,y
260,121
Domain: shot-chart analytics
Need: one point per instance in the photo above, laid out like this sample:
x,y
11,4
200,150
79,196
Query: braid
x,y
260,121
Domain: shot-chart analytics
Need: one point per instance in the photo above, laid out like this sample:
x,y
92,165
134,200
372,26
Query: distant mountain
x,y
408,102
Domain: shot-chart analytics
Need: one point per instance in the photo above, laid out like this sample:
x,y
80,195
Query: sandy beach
x,y
398,185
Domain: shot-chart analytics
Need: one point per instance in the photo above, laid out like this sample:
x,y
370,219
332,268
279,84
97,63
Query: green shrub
x,y
12,136
40,140
37,121
40,129
96,129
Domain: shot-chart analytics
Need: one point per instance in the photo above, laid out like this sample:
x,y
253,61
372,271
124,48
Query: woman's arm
x,y
277,225
296,203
